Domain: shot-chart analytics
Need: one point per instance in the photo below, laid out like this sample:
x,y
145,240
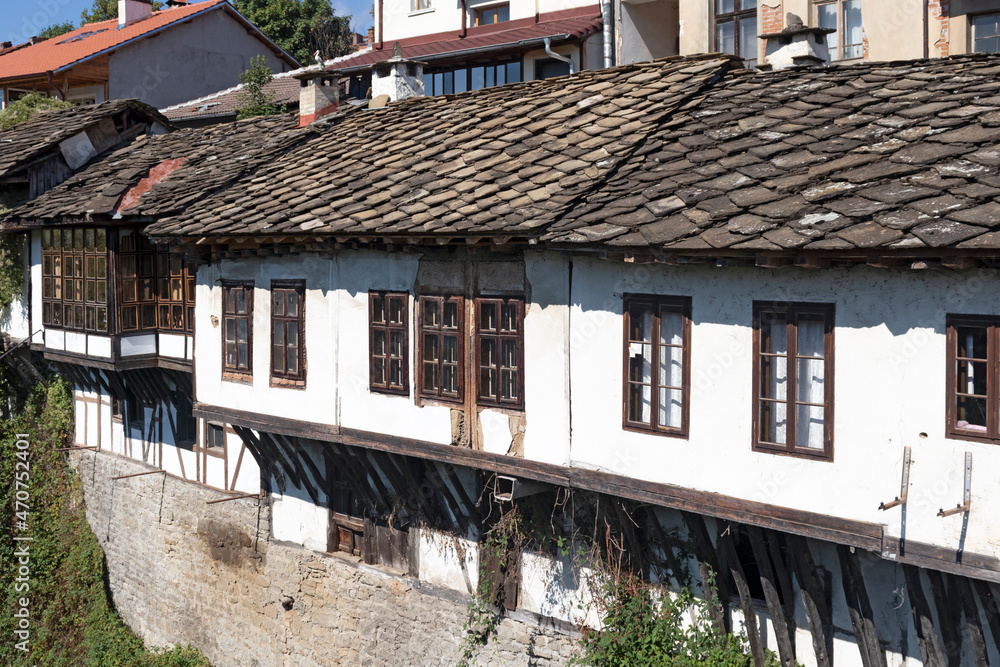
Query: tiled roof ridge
x,y
279,75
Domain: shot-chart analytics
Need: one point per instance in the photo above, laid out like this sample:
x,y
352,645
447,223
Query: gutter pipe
x,y
553,54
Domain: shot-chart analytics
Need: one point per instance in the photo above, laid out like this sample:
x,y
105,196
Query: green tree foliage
x,y
300,27
71,619
253,100
105,10
26,107
57,29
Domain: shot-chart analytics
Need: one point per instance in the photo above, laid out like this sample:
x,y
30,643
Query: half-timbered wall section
x,y
146,415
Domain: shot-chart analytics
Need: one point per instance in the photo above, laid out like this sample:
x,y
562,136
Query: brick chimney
x,y
130,11
797,45
398,77
319,94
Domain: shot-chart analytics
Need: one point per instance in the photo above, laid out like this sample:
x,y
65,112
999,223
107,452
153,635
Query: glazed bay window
x,y
237,328
75,279
441,350
793,378
288,332
494,14
157,286
657,363
472,77
973,410
843,16
736,29
387,342
500,351
986,33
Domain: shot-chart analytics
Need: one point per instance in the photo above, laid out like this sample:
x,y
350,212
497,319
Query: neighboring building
x,y
715,313
198,49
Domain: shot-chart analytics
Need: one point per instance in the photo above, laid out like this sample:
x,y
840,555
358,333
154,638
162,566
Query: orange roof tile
x,y
94,39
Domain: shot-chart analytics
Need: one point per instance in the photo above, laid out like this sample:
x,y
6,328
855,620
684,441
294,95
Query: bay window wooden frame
x,y
388,323
657,305
791,312
155,286
506,333
281,290
231,320
76,271
433,360
953,411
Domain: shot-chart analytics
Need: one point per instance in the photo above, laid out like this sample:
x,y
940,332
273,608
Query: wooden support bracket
x,y
904,485
967,496
140,474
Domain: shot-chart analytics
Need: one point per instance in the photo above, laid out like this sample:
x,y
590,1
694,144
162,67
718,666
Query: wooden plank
x,y
859,608
786,640
948,623
865,535
819,614
923,621
962,589
728,552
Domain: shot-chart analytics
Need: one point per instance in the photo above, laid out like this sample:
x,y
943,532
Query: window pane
x,y
102,319
450,349
641,324
429,84
430,377
985,26
671,366
772,422
639,403
449,83
461,80
809,427
477,78
774,332
513,72
971,414
487,352
450,315
449,379
972,342
46,238
230,330
640,363
826,17
748,39
278,303
102,240
503,13
378,370
501,73
396,310
242,330
747,4
238,301
292,367
102,267
971,378
293,304
148,317
773,377
242,355
488,317
810,380
810,332
430,347
396,372
508,354
487,383
378,342
490,77
670,408
725,37
292,331
432,313
725,6
852,29
508,385
508,316
396,343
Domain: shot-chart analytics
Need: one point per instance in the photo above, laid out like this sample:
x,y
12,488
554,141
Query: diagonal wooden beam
x,y
814,598
923,621
786,645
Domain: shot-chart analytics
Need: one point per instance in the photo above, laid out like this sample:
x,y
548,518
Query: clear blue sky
x,y
21,19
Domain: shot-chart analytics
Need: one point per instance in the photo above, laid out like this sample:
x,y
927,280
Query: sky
x,y
22,19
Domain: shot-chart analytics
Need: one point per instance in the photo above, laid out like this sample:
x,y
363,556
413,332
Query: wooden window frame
x,y
657,303
424,329
952,430
791,312
972,31
219,451
500,336
736,16
168,272
82,252
234,372
837,54
387,328
479,13
283,378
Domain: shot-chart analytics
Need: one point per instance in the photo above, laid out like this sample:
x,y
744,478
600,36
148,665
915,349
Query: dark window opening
x,y
288,331
388,342
736,29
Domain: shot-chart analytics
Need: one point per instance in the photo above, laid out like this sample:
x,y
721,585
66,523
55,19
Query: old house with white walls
x,y
744,322
140,55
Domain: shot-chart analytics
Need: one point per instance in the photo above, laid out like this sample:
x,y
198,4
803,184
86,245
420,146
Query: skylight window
x,y
82,36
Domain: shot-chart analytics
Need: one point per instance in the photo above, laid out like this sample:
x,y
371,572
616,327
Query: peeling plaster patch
x,y
517,427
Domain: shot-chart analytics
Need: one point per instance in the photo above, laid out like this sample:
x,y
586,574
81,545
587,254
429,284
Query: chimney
x,y
319,94
797,45
130,11
398,77
6,45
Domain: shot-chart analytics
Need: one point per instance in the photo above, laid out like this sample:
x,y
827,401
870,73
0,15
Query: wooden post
x,y
786,641
989,603
728,553
814,598
859,608
962,588
927,639
717,596
948,620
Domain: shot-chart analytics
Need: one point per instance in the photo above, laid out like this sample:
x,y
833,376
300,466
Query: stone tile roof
x,y
680,156
225,103
191,164
512,36
26,142
499,161
896,157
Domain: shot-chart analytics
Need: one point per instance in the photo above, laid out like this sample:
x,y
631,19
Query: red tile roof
x,y
564,25
94,39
